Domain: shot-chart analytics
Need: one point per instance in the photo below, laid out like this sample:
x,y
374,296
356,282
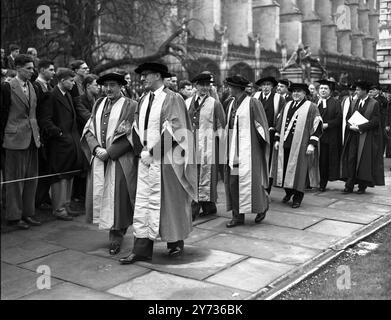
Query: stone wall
x,y
384,45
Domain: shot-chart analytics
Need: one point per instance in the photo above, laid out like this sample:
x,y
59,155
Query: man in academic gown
x,y
167,175
362,155
247,140
111,180
272,103
330,141
296,145
208,120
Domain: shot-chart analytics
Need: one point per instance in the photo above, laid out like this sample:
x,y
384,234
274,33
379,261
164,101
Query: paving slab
x,y
160,286
297,237
251,274
196,262
310,199
335,228
333,214
17,282
263,249
87,270
70,291
360,207
199,234
290,220
27,250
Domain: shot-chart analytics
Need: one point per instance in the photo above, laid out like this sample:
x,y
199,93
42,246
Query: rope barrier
x,y
40,177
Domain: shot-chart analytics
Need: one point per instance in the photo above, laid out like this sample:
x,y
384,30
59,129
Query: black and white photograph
x,y
197,155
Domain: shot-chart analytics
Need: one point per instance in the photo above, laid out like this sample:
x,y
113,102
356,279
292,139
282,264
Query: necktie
x,y
151,97
361,105
197,103
25,89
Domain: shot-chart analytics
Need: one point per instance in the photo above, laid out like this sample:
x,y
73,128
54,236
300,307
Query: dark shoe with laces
x,y
19,224
132,258
175,252
296,205
286,199
234,223
260,217
32,222
347,190
115,248
360,191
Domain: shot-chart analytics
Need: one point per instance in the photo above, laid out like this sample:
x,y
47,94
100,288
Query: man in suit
x,y
81,69
362,155
14,51
330,141
283,89
42,87
21,141
65,157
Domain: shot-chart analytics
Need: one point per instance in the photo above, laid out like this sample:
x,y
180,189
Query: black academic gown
x,y
362,156
330,141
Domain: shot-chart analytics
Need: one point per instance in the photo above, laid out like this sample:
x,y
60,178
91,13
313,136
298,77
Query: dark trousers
x,y
234,195
297,195
144,247
324,164
351,165
79,187
20,196
117,236
43,187
208,207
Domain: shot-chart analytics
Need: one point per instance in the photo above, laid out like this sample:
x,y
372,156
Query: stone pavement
x,y
246,262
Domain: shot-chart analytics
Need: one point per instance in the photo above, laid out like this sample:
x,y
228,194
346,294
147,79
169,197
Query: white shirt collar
x,y
40,79
21,82
158,91
63,92
363,100
267,96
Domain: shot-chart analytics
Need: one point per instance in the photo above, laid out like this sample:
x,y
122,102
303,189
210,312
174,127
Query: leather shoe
x,y
64,217
347,190
32,221
260,217
19,224
322,189
175,252
234,223
295,205
114,248
132,258
360,191
74,212
286,199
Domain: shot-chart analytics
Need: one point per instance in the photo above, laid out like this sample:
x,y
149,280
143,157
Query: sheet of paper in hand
x,y
357,119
